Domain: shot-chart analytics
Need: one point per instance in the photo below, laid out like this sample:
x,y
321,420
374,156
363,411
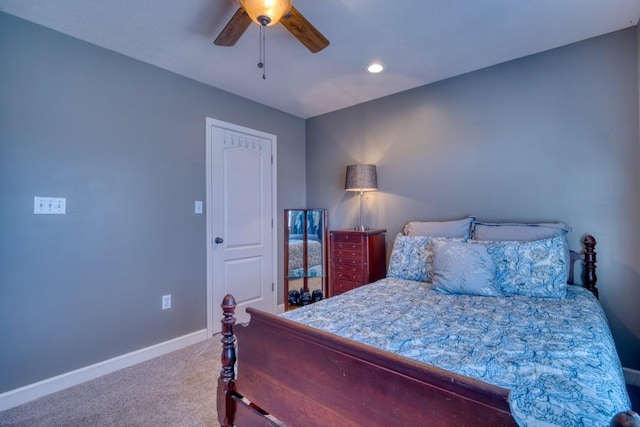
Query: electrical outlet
x,y
166,302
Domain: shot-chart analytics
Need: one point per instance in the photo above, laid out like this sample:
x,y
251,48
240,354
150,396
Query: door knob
x,y
218,240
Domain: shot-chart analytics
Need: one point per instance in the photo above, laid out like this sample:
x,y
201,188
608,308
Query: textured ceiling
x,y
419,41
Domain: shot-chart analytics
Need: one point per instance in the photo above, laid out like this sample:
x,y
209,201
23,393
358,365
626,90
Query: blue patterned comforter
x,y
556,356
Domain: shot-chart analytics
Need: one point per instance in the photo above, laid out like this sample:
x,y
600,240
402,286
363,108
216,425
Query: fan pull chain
x,y
263,52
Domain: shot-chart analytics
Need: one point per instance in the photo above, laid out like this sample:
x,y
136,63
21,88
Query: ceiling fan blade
x,y
304,31
234,29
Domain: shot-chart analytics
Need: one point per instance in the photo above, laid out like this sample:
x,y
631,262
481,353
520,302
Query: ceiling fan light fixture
x,y
375,68
266,12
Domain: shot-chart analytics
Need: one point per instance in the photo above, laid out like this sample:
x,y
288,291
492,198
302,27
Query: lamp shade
x,y
361,178
272,10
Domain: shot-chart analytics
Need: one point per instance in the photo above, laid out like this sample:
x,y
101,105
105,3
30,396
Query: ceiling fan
x,y
267,13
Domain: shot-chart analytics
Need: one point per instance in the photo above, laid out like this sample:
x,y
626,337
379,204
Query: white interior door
x,y
240,221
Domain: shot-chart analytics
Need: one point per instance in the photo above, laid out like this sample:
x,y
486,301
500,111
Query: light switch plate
x,y
49,205
198,207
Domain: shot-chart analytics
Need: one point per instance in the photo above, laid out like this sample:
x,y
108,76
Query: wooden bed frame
x,y
295,375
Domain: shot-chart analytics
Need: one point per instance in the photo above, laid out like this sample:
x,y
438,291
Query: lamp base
x,y
361,228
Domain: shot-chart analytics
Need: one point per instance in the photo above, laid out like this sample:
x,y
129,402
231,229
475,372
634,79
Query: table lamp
x,y
361,178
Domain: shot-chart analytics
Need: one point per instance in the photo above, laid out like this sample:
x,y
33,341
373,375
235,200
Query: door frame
x,y
214,312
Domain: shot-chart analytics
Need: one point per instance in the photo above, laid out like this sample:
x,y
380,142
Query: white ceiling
x,y
419,41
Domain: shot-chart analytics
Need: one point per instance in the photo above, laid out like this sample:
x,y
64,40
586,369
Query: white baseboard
x,y
280,309
631,376
33,391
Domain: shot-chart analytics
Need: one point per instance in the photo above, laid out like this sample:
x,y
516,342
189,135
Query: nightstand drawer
x,y
347,263
357,262
347,237
348,254
348,246
345,275
340,286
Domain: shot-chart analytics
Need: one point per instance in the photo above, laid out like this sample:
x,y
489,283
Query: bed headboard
x,y
588,257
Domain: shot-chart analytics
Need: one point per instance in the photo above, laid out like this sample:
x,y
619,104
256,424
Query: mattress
x,y
555,355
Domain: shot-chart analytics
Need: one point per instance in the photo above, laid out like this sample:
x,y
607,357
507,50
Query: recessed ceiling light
x,y
374,68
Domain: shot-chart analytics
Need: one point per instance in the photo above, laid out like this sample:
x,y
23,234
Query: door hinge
x,y
272,159
273,287
271,222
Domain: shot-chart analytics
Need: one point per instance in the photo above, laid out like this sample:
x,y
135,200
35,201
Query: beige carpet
x,y
177,389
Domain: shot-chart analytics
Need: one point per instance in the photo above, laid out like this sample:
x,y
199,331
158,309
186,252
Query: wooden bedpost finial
x,y
590,277
626,419
228,359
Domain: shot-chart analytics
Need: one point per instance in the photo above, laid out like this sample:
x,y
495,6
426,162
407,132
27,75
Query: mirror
x,y
305,256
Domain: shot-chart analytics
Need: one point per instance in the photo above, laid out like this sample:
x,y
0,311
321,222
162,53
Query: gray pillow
x,y
518,231
453,229
463,268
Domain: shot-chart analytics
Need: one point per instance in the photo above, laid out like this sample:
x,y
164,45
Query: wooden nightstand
x,y
355,259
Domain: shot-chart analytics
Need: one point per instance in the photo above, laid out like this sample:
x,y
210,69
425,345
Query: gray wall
x,y
548,137
124,142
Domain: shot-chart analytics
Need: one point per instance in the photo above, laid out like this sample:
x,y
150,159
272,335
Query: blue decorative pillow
x,y
412,257
537,269
521,232
463,268
409,258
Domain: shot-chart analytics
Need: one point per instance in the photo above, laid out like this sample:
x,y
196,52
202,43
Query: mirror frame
x,y
307,274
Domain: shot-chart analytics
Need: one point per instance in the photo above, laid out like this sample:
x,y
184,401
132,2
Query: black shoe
x,y
294,298
316,295
305,298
